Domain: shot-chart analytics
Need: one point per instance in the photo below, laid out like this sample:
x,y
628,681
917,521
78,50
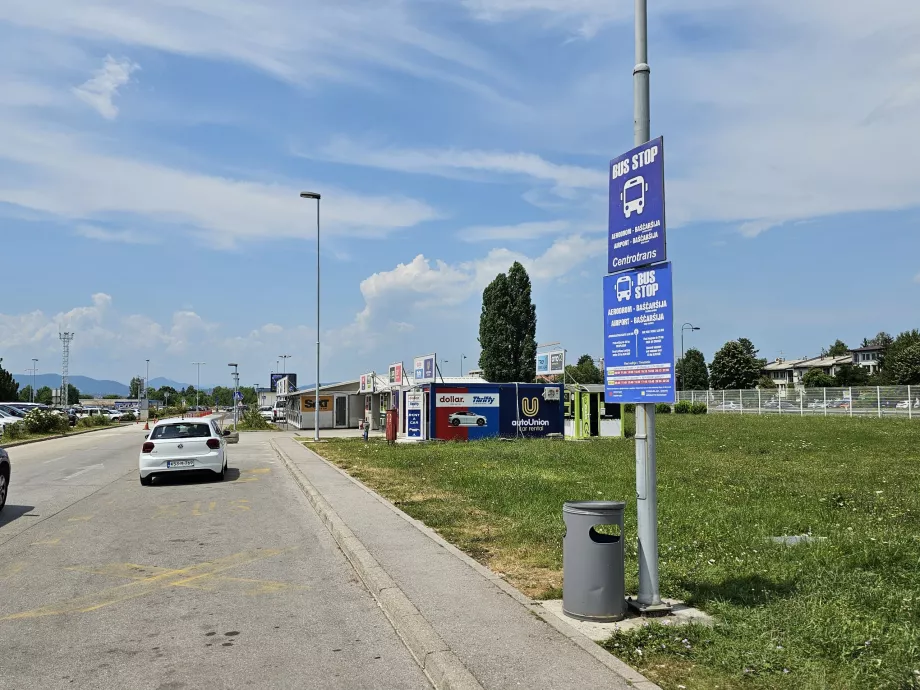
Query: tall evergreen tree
x,y
9,388
508,328
692,374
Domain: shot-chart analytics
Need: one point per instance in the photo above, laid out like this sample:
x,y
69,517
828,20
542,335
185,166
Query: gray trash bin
x,y
593,587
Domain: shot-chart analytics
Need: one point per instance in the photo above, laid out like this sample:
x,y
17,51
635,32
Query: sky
x,y
152,154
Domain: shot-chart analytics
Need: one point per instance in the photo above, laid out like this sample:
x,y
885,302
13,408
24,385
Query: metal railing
x,y
862,401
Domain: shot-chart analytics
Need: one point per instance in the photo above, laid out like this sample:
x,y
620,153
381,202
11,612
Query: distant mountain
x,y
159,382
83,383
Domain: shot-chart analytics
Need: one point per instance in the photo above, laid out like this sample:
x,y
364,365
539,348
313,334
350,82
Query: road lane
x,y
188,583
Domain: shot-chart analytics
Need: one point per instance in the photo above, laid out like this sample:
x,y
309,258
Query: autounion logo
x,y
530,406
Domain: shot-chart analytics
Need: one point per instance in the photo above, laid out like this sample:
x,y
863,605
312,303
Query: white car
x,y
266,413
5,420
183,445
466,418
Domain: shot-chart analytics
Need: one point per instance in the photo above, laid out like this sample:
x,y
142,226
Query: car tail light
x,y
213,443
147,447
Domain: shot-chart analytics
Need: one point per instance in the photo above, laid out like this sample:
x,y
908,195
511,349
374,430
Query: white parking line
x,y
54,459
100,466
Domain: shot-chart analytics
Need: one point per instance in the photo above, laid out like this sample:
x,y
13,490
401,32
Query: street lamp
x,y
34,371
285,358
314,195
198,387
236,387
462,357
683,328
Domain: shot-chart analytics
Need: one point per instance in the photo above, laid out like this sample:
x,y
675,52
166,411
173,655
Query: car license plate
x,y
180,463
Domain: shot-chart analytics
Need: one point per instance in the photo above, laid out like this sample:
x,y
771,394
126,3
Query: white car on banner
x,y
466,418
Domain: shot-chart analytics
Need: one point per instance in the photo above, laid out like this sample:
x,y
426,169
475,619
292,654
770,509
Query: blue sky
x,y
151,155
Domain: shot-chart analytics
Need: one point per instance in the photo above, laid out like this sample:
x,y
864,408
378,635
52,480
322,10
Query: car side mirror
x,y
146,436
227,432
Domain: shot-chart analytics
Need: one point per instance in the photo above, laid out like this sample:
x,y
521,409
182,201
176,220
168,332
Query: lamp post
x,y
34,371
462,357
284,359
314,195
682,363
236,387
198,387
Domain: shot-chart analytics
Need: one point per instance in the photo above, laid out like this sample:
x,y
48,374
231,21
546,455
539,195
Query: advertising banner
x,y
415,416
425,369
525,411
639,336
367,383
466,414
308,402
636,231
396,374
273,384
551,363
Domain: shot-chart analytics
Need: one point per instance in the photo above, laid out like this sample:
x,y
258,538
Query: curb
x,y
15,444
626,672
442,667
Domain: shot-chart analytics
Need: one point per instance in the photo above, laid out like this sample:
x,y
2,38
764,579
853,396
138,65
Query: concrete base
x,y
681,614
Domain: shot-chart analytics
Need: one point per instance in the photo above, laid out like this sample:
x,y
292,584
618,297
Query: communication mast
x,y
65,366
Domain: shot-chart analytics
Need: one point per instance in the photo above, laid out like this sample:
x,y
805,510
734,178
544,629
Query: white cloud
x,y
425,284
463,163
119,236
72,181
99,91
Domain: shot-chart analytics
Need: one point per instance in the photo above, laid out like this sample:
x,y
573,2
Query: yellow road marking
x,y
46,542
212,505
258,470
10,569
80,518
147,585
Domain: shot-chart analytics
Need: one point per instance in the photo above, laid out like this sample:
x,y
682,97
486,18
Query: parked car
x,y
5,420
279,412
183,445
5,467
907,404
726,406
466,418
14,411
267,413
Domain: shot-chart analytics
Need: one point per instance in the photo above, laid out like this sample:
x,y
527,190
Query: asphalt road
x,y
190,583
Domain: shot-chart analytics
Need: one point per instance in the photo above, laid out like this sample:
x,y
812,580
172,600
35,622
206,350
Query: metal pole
x,y
316,402
646,480
34,371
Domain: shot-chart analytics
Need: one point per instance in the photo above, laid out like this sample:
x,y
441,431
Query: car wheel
x,y
455,422
223,473
146,481
480,422
3,490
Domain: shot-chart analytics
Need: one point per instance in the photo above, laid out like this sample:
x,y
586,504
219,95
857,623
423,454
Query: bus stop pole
x,y
646,480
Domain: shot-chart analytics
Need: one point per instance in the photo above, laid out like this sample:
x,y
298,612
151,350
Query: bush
x,y
45,422
683,407
14,432
93,421
629,408
252,420
128,417
663,408
698,408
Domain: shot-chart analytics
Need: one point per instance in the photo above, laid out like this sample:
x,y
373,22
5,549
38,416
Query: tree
x,y
508,328
111,396
250,396
166,393
815,378
896,364
223,397
25,395
735,366
135,387
838,349
850,375
9,388
73,395
692,374
585,371
44,395
904,367
766,383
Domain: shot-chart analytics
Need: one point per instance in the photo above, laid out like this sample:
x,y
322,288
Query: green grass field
x,y
843,612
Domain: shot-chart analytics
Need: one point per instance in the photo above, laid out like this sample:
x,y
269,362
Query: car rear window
x,y
181,430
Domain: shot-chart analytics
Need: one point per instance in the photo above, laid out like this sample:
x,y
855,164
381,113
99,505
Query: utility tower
x,y
65,365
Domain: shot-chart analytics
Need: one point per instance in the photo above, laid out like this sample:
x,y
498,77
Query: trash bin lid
x,y
593,507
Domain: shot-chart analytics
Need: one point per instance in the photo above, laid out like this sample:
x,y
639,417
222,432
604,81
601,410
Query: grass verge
x,y
843,612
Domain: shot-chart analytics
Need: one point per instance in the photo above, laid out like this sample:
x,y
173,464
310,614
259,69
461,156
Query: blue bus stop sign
x,y
636,232
639,336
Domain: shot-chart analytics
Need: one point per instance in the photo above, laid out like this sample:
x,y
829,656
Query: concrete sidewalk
x,y
466,627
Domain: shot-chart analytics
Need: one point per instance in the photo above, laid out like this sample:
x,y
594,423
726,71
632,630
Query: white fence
x,y
863,401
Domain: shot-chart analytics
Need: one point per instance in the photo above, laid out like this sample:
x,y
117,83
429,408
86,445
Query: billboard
x,y
636,230
551,363
308,403
639,336
396,374
425,369
415,416
367,383
473,412
273,383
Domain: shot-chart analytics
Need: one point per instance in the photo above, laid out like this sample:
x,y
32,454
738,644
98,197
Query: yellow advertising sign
x,y
308,402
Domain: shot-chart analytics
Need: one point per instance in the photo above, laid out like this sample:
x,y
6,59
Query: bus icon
x,y
624,288
633,195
